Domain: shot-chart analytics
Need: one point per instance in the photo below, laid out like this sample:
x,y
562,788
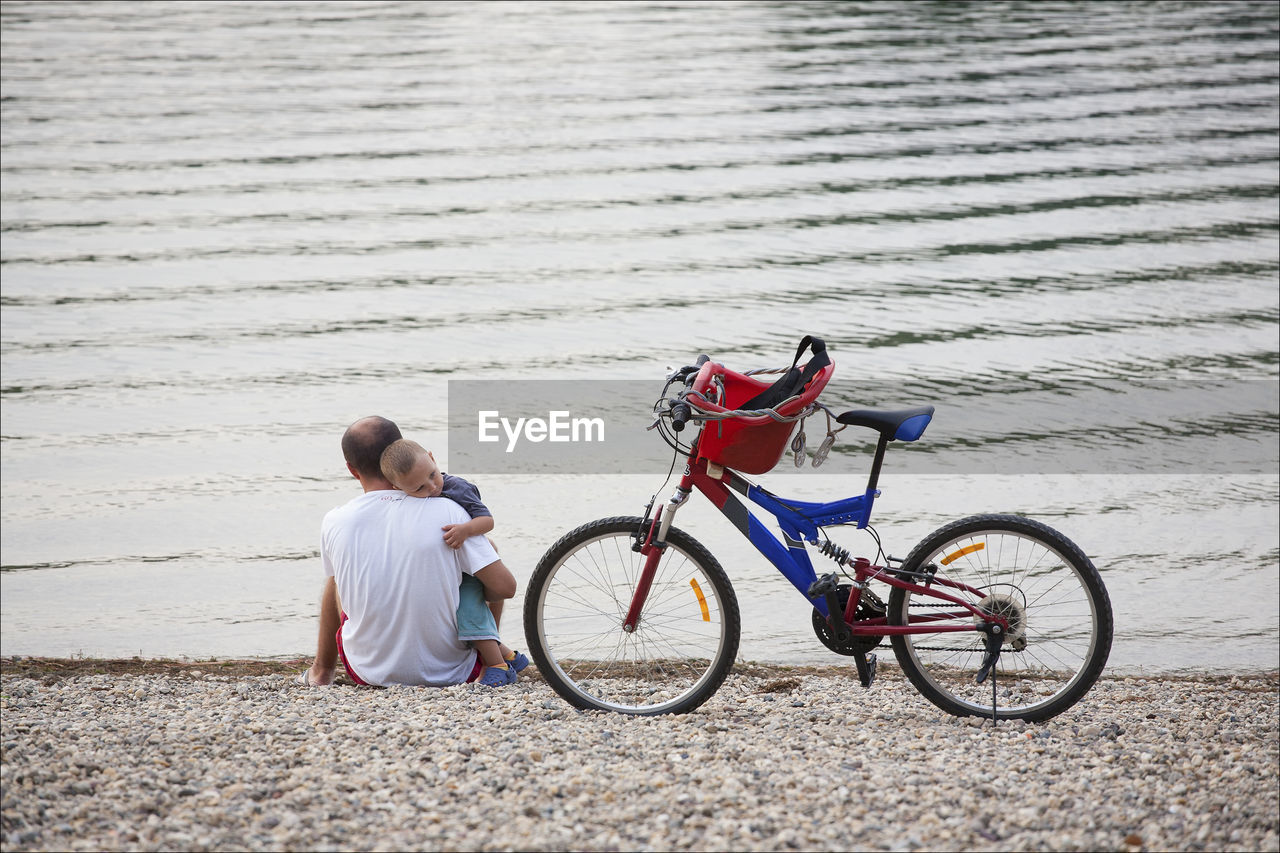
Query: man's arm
x,y
322,670
499,584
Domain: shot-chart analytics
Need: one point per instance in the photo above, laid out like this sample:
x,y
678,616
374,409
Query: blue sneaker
x,y
494,677
518,663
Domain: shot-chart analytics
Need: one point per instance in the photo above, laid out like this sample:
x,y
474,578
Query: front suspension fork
x,y
653,549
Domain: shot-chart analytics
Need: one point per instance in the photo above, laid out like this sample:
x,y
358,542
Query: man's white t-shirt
x,y
398,584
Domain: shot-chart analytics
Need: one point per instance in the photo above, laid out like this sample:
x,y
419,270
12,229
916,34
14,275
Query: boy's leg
x,y
477,625
495,607
508,654
490,652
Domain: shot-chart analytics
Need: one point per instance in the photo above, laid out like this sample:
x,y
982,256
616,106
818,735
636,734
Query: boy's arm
x,y
456,534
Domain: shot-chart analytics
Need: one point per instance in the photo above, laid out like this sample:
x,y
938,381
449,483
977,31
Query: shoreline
x,y
234,755
34,666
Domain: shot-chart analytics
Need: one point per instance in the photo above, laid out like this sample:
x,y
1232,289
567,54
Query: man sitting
x,y
391,593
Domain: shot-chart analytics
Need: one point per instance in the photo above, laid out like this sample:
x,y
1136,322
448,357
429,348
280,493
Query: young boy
x,y
413,470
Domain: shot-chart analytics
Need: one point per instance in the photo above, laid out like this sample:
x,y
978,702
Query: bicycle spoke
x,y
1057,634
682,643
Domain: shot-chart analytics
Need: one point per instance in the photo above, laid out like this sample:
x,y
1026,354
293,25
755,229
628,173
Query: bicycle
x,y
633,615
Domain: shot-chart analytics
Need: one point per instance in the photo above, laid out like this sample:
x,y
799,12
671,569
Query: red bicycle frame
x,y
800,522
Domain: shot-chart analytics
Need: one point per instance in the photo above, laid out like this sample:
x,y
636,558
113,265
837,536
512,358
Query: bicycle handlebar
x,y
680,411
693,404
683,374
679,415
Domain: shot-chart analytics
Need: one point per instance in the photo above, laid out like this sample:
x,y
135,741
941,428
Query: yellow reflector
x,y
947,560
702,599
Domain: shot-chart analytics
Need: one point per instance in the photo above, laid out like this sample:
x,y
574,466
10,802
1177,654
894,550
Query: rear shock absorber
x,y
835,552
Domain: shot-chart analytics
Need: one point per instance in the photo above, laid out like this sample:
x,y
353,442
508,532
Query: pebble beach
x,y
220,756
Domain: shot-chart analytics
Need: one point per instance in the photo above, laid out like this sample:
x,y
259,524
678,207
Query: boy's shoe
x,y
518,662
494,677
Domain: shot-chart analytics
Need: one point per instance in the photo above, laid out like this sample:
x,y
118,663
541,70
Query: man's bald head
x,y
364,441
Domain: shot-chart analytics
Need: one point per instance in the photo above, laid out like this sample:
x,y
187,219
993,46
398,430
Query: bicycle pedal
x,y
866,668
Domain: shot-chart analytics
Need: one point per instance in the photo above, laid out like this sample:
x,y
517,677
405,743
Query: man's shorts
x,y
476,670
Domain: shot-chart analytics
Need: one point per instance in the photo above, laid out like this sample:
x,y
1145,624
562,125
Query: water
x,y
229,229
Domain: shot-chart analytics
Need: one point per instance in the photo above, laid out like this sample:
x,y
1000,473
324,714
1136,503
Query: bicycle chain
x,y
942,648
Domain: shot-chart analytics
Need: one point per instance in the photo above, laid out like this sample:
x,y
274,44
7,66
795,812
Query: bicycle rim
x,y
683,645
1060,619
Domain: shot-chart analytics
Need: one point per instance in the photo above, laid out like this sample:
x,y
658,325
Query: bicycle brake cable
x,y
879,547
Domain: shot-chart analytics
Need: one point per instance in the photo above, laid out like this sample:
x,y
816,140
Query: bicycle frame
x,y
616,623
799,522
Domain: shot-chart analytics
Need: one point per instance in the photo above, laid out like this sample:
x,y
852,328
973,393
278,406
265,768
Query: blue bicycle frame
x,y
799,522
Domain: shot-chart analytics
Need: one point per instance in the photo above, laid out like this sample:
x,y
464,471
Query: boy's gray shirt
x,y
465,494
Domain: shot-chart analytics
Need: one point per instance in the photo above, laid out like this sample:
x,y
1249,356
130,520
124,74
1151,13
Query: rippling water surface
x,y
229,229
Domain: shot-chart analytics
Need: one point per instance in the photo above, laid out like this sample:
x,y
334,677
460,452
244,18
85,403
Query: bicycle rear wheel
x,y
1060,621
684,644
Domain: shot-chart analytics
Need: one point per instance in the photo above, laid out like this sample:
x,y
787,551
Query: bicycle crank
x,y
869,607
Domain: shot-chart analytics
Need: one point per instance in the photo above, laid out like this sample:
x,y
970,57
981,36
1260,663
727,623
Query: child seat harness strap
x,y
794,380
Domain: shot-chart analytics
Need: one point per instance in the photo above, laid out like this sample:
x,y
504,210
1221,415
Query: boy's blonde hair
x,y
399,457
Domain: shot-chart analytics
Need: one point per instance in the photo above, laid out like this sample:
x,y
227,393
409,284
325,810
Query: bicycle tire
x,y
684,644
1060,619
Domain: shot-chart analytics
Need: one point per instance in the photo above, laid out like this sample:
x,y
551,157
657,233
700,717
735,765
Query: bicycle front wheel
x,y
684,643
1059,616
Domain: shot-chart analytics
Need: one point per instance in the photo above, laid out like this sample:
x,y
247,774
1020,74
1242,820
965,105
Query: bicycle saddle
x,y
900,424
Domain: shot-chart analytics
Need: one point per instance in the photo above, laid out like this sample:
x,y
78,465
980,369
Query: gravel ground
x,y
212,757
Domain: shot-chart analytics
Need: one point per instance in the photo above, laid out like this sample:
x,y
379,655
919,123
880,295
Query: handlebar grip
x,y
702,359
679,414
